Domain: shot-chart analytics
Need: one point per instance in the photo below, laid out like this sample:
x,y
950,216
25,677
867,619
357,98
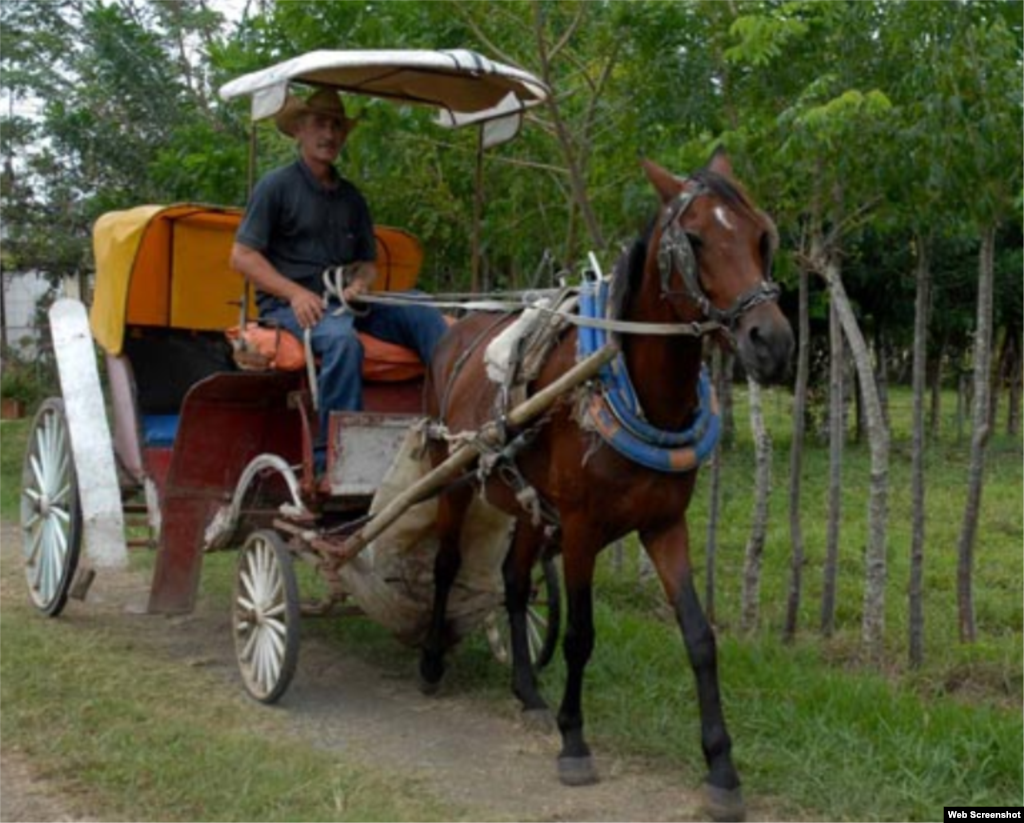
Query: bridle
x,y
675,253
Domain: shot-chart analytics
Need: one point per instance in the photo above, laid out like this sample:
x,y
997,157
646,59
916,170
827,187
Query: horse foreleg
x,y
669,550
516,570
451,512
575,765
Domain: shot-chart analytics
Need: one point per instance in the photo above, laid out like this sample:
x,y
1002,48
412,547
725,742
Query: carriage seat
x,y
166,363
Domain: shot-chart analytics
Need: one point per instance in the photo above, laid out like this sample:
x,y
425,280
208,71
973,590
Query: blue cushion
x,y
159,429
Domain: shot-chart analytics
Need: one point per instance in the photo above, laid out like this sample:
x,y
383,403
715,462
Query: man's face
x,y
321,137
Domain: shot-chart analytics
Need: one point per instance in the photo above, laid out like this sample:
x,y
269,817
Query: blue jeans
x,y
334,341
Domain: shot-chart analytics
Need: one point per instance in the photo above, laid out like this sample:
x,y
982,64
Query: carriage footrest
x,y
363,446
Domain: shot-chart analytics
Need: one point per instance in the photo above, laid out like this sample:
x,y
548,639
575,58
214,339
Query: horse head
x,y
712,250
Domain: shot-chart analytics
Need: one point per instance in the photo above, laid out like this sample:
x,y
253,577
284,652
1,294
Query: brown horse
x,y
707,258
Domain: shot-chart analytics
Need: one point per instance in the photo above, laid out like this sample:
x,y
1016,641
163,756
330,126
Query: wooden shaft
x,y
464,455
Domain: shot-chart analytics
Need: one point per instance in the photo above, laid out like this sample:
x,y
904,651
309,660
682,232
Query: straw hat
x,y
325,102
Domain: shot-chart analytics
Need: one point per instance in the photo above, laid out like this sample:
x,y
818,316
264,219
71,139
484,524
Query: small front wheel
x,y
265,616
51,513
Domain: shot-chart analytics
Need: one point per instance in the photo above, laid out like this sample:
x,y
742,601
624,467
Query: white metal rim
x,y
264,618
499,634
49,509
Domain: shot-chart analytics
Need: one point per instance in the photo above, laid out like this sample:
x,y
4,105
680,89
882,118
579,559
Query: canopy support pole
x,y
478,208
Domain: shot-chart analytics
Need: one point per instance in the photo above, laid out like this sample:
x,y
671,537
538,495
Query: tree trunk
x,y
858,402
979,438
873,625
962,401
935,420
570,150
882,372
836,432
715,502
796,461
763,480
996,383
1016,381
922,305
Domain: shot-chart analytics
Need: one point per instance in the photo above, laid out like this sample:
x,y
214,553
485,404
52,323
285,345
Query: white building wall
x,y
22,293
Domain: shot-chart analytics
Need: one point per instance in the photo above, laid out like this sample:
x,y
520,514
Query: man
x,y
303,218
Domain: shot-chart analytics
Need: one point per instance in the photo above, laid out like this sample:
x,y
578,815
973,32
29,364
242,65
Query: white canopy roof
x,y
464,84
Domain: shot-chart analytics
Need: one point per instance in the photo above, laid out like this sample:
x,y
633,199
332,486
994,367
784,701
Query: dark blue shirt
x,y
302,226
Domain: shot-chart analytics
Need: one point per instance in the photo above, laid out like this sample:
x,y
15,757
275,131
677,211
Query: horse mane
x,y
629,268
627,273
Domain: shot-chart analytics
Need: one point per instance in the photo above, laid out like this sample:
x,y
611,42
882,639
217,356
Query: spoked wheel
x,y
543,619
51,514
266,616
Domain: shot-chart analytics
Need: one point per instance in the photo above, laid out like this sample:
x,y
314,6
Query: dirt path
x,y
25,795
476,756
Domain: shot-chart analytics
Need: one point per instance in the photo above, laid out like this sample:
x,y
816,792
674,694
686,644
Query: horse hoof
x,y
577,771
724,805
429,688
539,720
431,674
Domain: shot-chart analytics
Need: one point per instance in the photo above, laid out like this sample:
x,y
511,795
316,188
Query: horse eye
x,y
694,239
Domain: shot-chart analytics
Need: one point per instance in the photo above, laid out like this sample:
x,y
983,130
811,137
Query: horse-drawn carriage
x,y
214,454
435,506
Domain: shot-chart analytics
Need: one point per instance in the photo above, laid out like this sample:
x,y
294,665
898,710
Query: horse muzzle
x,y
764,341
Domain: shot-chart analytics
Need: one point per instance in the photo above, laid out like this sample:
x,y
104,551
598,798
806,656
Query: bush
x,y
24,382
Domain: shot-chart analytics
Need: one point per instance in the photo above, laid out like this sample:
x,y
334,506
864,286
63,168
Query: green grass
x,y
13,437
814,730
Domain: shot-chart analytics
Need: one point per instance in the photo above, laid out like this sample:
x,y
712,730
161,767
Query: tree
x,y
755,544
821,119
982,75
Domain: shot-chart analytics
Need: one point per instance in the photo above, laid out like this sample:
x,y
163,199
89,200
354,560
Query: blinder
x,y
675,252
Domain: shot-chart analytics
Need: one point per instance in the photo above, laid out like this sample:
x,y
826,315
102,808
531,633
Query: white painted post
x,y
91,445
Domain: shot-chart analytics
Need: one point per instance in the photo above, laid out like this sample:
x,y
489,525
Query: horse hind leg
x,y
451,512
527,542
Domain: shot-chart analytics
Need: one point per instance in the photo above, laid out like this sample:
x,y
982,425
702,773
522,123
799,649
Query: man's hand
x,y
308,308
352,291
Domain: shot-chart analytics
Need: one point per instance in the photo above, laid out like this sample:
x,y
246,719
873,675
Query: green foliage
x,y
15,438
763,38
907,115
18,383
27,381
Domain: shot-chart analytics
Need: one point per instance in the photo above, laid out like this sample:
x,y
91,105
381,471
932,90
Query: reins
x,y
514,302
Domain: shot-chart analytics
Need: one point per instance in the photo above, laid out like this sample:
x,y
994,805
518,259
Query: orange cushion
x,y
385,362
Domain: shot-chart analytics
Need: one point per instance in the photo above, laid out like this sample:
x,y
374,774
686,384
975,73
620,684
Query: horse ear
x,y
720,162
665,183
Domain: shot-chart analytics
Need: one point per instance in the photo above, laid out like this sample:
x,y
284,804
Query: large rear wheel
x,y
266,616
51,513
543,618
